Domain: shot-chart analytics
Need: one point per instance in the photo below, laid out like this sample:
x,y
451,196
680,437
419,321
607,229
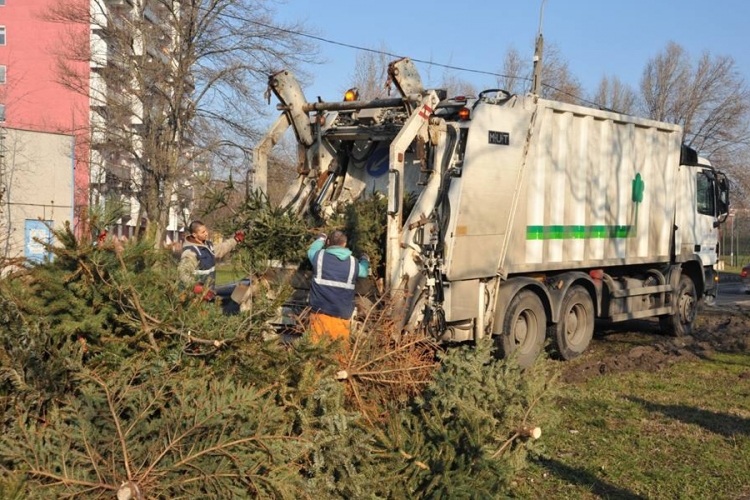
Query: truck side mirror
x,y
722,198
723,188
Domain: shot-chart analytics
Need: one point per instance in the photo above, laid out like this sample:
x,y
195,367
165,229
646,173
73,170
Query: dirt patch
x,y
640,345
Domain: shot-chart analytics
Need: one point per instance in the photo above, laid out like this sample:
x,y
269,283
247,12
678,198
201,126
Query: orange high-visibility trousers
x,y
323,325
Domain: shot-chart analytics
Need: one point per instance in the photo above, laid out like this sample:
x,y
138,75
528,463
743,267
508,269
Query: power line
x,y
431,63
421,61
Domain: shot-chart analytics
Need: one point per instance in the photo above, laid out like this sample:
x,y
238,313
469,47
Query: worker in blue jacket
x,y
197,267
335,273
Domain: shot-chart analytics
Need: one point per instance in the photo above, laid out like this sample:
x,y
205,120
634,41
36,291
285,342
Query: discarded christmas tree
x,y
114,379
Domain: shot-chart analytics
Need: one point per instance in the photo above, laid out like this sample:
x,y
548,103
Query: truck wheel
x,y
524,328
686,299
574,331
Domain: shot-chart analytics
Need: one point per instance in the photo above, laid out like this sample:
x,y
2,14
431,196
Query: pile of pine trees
x,y
115,382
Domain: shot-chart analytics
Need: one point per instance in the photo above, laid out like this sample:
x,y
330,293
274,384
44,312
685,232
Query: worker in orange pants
x,y
335,272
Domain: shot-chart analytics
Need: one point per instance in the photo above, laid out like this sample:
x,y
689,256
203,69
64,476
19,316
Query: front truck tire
x,y
686,299
524,328
574,331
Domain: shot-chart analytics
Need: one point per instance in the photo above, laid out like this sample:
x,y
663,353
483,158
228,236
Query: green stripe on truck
x,y
558,232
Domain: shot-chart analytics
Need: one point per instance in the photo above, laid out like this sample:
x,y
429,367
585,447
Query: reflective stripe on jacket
x,y
206,270
332,290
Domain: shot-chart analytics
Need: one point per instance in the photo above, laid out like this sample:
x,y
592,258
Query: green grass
x,y
733,269
226,273
680,433
740,261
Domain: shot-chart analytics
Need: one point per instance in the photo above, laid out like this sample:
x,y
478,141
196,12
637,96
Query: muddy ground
x,y
640,345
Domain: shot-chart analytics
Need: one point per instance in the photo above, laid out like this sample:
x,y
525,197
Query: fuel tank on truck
x,y
546,185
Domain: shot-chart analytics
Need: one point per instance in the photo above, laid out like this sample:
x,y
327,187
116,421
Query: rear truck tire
x,y
574,331
524,328
686,299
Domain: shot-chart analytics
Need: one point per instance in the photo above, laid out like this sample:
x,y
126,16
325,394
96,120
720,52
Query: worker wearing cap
x,y
335,272
197,266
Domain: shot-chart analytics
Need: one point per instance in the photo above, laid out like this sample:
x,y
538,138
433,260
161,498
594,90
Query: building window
x,y
2,35
2,71
2,2
2,113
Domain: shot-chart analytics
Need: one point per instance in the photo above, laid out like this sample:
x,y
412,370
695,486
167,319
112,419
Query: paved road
x,y
730,293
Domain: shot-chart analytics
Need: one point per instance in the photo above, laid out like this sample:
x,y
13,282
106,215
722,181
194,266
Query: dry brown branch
x,y
382,368
361,404
57,479
141,311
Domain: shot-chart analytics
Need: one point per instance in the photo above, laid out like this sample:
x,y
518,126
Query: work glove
x,y
239,236
321,236
199,289
365,257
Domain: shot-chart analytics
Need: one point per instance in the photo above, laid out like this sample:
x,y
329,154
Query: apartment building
x,y
43,89
44,169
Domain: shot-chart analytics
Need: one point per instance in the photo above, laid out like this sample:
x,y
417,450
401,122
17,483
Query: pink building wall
x,y
33,97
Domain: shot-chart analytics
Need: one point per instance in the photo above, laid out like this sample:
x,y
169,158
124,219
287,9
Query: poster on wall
x,y
36,232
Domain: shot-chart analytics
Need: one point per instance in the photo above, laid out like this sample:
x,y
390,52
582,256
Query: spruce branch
x,y
116,420
146,328
176,440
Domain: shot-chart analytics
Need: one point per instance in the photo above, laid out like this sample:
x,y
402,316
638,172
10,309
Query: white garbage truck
x,y
532,217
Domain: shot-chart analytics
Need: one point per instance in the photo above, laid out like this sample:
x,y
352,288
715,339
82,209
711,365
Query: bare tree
x,y
709,98
664,78
455,85
558,82
613,94
177,88
515,73
371,73
371,76
282,168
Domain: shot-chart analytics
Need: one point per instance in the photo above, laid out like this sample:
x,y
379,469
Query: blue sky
x,y
595,37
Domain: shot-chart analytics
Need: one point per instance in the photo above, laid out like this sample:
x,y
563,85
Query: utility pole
x,y
731,240
536,82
